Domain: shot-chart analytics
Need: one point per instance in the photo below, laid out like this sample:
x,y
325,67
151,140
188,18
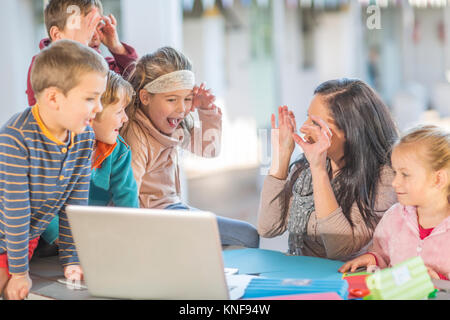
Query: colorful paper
x,y
408,280
312,296
265,287
275,264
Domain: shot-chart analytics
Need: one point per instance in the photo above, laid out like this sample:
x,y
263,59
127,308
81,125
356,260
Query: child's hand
x,y
203,99
82,28
362,261
107,30
433,274
74,273
18,287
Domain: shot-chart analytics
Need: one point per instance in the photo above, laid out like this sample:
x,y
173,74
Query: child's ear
x,y
442,179
55,34
52,97
145,97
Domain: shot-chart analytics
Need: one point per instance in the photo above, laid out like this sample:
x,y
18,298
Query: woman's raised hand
x,y
282,142
317,143
282,139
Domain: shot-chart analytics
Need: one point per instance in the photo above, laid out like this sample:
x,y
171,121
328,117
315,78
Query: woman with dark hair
x,y
333,197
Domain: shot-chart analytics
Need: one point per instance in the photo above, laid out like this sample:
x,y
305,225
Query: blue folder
x,y
275,264
264,287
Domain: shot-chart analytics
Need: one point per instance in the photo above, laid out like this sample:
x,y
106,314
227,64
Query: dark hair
x,y
370,133
57,12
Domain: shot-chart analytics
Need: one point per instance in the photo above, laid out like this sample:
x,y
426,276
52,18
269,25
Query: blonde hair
x,y
62,65
114,86
149,68
436,142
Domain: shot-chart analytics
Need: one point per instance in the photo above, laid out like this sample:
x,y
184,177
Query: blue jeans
x,y
232,232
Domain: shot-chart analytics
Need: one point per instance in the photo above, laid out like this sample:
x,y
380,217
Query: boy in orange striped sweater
x,y
45,160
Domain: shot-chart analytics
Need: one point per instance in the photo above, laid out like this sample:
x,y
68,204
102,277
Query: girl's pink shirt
x,y
155,155
397,238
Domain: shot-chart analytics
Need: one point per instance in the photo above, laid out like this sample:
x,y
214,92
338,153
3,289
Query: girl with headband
x,y
160,121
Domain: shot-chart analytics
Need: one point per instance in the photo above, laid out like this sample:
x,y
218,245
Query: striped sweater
x,y
39,176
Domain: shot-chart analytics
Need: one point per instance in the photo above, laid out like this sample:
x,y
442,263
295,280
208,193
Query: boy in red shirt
x,y
83,21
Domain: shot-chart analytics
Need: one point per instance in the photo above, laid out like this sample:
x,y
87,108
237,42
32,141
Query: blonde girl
x,y
419,225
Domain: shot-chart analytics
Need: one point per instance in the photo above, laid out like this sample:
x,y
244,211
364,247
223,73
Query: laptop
x,y
149,254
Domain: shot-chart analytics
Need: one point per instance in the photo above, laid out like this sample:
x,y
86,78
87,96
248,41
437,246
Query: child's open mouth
x,y
173,122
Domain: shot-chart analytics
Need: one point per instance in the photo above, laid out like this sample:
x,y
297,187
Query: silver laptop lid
x,y
149,254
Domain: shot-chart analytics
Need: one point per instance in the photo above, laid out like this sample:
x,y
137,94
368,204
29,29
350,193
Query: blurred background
x,y
257,55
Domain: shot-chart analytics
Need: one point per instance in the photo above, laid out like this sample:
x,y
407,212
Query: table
x,y
45,272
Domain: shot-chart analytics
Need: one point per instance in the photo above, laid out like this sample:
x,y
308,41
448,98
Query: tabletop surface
x,y
45,272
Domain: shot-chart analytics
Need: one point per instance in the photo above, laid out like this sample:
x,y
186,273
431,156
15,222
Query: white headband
x,y
178,80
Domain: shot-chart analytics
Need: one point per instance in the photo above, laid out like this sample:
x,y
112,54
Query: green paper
x,y
408,280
